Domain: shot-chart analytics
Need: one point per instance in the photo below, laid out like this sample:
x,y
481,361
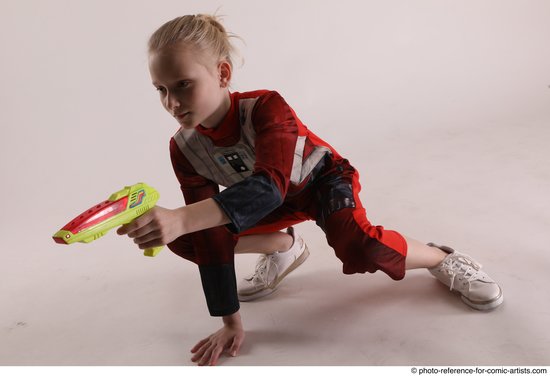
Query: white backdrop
x,y
80,118
78,107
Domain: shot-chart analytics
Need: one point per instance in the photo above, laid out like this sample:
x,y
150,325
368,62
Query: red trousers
x,y
332,200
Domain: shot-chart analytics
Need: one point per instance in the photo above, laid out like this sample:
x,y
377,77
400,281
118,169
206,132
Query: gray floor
x,y
482,191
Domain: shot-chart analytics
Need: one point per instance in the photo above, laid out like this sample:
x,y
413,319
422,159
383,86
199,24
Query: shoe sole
x,y
260,294
484,306
256,295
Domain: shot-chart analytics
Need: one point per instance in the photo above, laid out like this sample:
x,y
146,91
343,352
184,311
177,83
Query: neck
x,y
217,117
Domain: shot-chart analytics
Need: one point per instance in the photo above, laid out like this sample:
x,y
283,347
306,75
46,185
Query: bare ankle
x,y
421,255
438,256
286,242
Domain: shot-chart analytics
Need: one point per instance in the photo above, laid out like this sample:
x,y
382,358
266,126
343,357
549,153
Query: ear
x,y
224,73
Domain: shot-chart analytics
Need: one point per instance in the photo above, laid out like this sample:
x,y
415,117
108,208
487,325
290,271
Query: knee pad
x,y
333,196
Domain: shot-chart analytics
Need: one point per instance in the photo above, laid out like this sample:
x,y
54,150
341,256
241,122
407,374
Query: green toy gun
x,y
120,208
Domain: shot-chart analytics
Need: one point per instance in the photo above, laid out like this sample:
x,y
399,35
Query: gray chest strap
x,y
229,165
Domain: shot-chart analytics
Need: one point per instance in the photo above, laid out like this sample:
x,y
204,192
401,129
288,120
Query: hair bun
x,y
212,20
201,30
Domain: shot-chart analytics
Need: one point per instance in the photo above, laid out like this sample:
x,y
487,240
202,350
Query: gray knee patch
x,y
334,196
340,197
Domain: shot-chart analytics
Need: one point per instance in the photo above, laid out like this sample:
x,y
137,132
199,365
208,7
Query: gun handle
x,y
152,252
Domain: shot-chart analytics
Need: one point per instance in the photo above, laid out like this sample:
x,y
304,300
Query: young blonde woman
x,y
278,173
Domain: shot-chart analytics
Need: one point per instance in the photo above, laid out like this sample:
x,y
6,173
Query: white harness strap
x,y
229,165
300,168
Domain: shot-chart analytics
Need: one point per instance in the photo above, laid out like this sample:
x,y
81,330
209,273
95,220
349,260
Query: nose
x,y
172,103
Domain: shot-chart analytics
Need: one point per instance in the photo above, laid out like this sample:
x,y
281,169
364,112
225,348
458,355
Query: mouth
x,y
181,116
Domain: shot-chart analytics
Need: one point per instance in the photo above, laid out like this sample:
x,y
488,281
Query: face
x,y
192,86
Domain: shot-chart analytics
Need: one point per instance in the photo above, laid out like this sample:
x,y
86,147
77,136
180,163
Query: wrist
x,y
182,219
233,320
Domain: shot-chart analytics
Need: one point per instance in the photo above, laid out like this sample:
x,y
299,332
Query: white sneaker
x,y
271,269
463,274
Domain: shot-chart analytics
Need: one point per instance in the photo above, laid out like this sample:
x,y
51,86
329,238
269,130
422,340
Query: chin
x,y
187,125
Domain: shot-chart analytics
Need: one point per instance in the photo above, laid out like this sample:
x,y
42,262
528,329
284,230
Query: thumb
x,y
235,346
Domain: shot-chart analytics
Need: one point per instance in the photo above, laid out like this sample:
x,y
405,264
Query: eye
x,y
160,89
184,84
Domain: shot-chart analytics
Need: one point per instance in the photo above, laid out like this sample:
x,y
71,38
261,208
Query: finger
x,y
206,357
236,345
199,353
152,244
199,345
122,230
135,224
125,229
141,228
153,236
197,356
215,355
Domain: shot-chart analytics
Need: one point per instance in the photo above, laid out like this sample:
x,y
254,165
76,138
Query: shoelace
x,y
263,267
462,265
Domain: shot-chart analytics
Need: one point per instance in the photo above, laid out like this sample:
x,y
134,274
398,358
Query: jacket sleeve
x,y
248,201
213,247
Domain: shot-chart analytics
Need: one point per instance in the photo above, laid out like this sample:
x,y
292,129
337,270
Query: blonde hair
x,y
201,31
